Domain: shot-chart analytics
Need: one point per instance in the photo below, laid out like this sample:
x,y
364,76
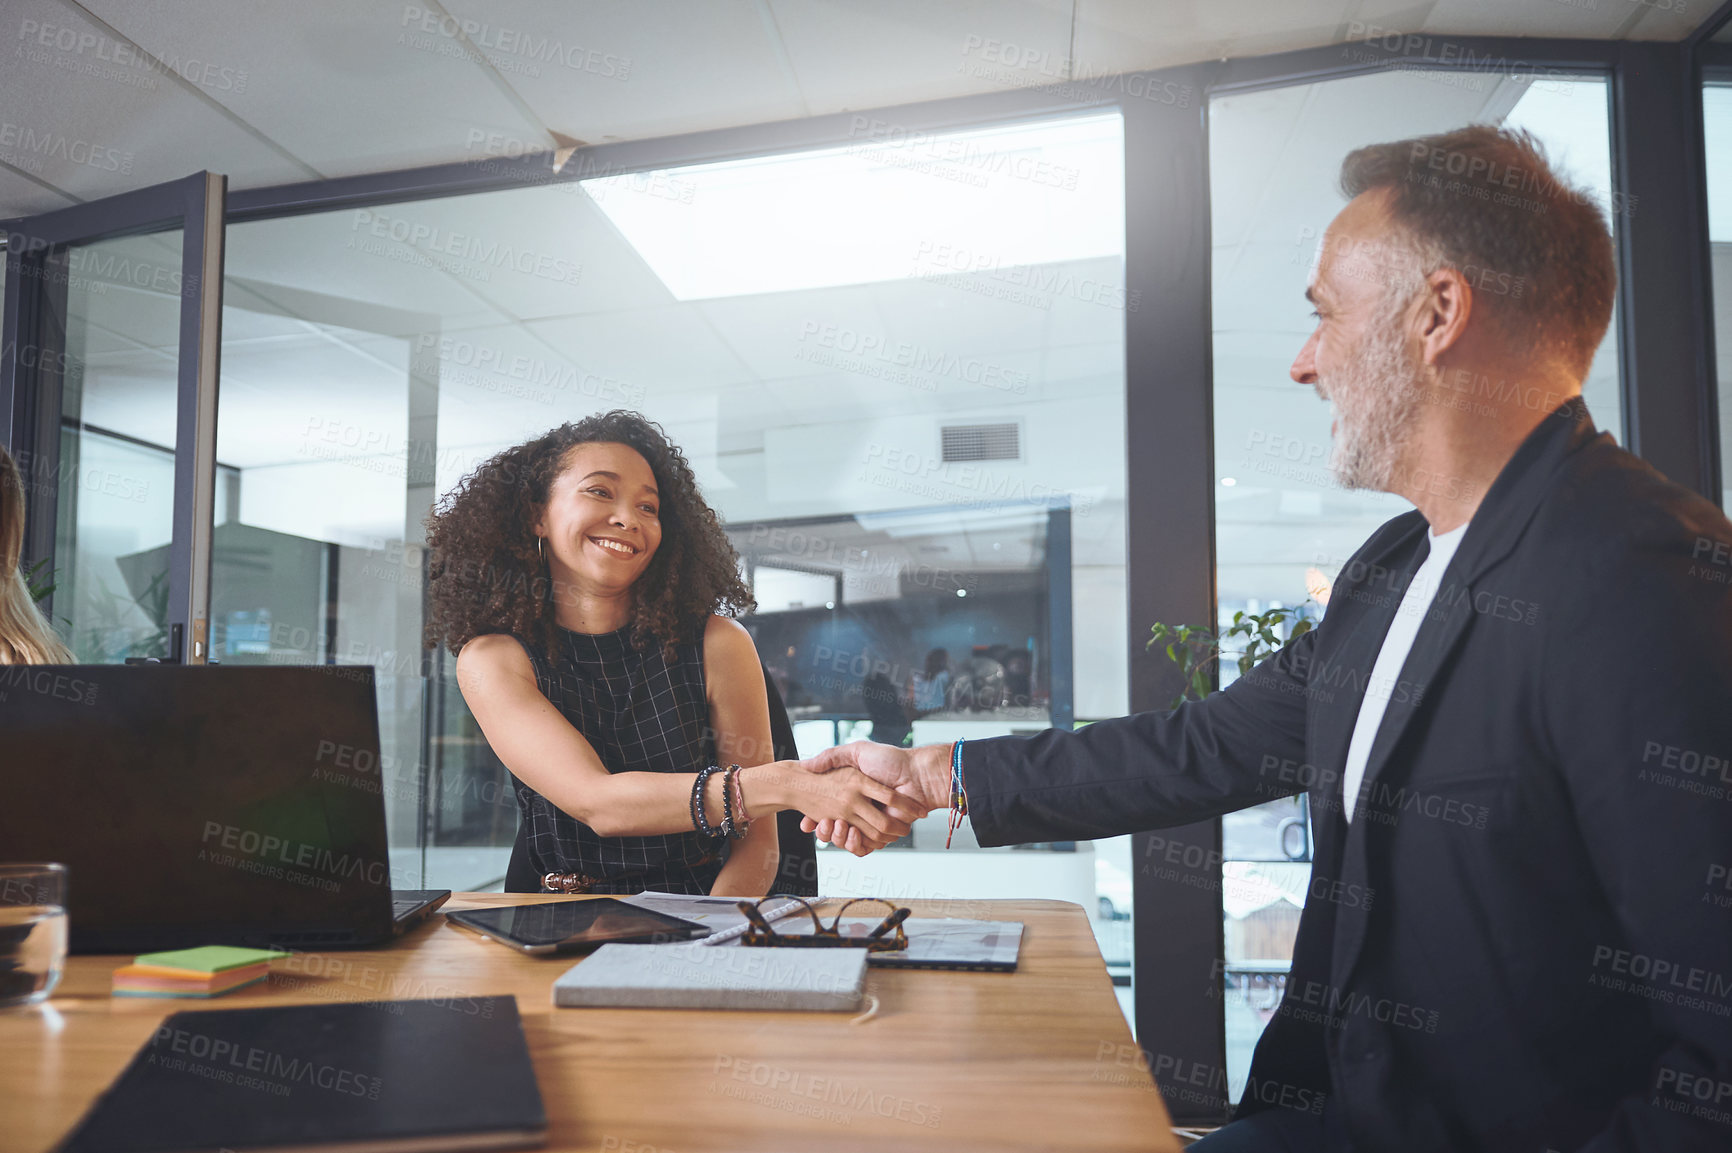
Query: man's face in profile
x,y
1359,357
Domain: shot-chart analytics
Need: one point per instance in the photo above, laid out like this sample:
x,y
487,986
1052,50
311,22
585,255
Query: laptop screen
x,y
200,804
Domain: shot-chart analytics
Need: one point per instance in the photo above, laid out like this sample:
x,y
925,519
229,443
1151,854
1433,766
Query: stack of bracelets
x,y
734,820
958,793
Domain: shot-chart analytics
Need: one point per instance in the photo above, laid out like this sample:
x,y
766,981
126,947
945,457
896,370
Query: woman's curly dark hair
x,y
484,574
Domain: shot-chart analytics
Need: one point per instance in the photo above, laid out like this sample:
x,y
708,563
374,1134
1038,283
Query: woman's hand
x,y
878,812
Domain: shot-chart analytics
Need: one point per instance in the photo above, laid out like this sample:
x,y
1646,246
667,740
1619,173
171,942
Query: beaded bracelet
x,y
700,822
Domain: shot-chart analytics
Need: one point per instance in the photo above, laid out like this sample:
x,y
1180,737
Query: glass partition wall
x,y
1717,136
896,366
114,515
1284,528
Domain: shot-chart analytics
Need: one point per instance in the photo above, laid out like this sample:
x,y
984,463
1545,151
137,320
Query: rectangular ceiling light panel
x,y
894,205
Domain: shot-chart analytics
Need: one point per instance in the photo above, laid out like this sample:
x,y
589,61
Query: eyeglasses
x,y
888,936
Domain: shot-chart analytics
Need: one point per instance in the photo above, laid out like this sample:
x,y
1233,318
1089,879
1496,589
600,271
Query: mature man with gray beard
x,y
1514,723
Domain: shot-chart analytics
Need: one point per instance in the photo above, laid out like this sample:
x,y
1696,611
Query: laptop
x,y
202,804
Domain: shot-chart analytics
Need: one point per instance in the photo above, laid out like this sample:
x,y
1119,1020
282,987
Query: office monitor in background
x,y
202,805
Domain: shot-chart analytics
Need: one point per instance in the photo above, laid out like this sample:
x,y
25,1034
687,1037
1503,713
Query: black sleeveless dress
x,y
640,713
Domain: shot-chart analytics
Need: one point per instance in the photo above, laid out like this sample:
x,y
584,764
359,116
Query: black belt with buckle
x,y
568,883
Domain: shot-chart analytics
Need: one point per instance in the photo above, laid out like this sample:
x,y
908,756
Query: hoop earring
x,y
538,549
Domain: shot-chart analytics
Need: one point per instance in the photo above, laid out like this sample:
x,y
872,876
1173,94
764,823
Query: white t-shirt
x,y
1386,673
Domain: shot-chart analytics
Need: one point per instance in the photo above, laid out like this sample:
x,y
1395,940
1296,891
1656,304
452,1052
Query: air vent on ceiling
x,y
965,442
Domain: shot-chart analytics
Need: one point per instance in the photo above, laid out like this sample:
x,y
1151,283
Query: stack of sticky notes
x,y
208,971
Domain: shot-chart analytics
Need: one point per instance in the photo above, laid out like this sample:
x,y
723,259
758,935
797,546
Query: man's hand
x,y
921,775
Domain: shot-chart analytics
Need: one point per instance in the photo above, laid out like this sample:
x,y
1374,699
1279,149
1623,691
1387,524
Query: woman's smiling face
x,y
602,522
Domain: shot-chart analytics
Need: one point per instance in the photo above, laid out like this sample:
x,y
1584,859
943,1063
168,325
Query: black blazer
x,y
1523,940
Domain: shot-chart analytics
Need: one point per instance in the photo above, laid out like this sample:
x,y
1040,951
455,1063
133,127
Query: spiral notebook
x,y
689,976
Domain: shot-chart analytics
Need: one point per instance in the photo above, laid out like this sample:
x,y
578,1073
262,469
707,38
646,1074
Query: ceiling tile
x,y
94,127
846,55
630,69
346,87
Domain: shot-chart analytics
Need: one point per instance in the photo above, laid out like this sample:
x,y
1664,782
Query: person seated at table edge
x,y
582,581
1513,722
26,637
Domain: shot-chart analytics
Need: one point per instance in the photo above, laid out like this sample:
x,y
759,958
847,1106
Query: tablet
x,y
566,926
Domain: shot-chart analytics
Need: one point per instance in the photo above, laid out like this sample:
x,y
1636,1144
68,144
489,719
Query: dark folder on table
x,y
368,1077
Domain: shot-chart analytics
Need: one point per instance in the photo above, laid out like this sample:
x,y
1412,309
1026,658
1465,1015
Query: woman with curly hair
x,y
588,592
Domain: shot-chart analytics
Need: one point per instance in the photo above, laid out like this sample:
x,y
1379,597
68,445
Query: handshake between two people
x,y
869,794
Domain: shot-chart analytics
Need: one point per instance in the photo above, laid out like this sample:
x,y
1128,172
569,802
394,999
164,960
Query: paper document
x,y
939,943
721,914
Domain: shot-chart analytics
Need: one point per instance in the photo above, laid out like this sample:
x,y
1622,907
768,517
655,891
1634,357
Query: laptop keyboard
x,y
407,901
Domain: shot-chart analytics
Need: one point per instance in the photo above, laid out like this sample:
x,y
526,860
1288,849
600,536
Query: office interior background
x,y
973,319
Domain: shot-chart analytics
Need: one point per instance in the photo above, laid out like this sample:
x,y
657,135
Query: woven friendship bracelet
x,y
735,823
958,794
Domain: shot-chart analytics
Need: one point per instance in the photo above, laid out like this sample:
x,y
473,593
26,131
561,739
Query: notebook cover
x,y
207,958
699,977
356,1076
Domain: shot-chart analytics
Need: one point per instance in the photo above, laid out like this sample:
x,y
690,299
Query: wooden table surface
x,y
1036,1059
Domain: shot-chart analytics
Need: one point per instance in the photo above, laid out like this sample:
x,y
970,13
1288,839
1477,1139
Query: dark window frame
x,y
1666,332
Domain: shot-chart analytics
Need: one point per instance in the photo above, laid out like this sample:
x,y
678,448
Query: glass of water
x,y
32,932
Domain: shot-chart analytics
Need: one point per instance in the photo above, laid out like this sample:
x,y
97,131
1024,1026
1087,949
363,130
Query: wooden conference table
x,y
1036,1059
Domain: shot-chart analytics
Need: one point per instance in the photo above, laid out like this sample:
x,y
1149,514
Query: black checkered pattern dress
x,y
641,713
